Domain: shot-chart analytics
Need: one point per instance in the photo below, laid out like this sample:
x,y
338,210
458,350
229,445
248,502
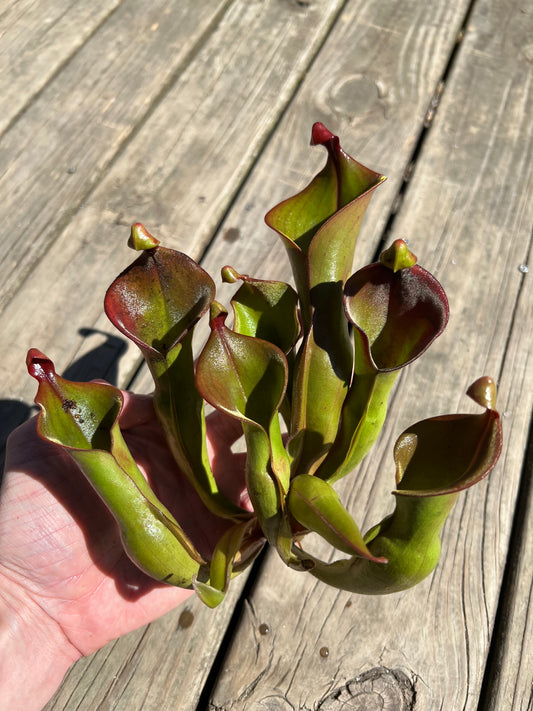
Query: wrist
x,y
34,652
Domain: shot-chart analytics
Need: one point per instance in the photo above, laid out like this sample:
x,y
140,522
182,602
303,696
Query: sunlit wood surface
x,y
194,118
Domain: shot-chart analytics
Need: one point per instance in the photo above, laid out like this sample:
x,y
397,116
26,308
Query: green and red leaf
x,y
447,454
158,298
317,507
319,226
243,376
82,418
264,309
396,314
246,377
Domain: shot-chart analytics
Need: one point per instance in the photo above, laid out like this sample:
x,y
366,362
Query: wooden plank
x,y
178,175
467,215
510,677
58,150
36,40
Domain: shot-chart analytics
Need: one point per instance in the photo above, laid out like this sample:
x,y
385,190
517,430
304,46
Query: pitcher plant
x,y
307,372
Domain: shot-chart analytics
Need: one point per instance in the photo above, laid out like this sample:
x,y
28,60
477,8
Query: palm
x,y
61,545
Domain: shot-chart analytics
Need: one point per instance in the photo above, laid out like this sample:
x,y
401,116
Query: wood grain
x,y
70,134
509,676
371,84
38,39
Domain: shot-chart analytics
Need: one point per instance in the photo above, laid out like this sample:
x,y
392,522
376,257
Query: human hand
x,y
64,577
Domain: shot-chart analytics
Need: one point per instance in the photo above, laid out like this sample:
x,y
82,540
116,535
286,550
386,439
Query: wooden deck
x,y
194,118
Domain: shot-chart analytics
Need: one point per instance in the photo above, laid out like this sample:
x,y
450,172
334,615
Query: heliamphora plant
x,y
307,372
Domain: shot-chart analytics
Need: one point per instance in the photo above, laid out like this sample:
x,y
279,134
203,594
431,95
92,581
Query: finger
x,y
222,430
136,410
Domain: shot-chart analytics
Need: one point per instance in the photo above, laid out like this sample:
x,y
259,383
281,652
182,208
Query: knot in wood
x,y
378,689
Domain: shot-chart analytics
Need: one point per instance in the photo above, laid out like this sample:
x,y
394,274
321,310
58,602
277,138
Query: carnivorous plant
x,y
307,372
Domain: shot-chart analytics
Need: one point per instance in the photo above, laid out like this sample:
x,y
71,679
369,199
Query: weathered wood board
x,y
164,663
71,133
37,39
509,679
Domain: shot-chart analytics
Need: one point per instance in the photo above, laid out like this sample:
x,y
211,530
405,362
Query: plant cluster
x,y
307,372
